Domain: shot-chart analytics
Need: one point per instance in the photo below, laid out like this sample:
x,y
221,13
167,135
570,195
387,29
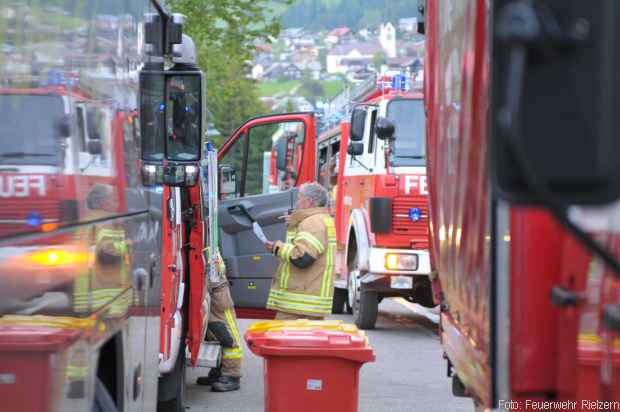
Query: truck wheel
x,y
103,401
171,390
365,303
366,310
458,389
340,299
423,295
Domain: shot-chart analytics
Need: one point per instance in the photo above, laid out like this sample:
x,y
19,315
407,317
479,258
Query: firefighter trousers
x,y
223,328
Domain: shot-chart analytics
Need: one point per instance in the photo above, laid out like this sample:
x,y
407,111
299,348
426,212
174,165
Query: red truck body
x,y
497,264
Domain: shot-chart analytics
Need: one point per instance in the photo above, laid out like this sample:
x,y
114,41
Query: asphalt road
x,y
408,375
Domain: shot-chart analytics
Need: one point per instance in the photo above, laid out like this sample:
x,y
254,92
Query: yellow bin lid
x,y
305,324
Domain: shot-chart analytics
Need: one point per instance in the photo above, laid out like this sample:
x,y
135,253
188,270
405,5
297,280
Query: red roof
x,y
339,31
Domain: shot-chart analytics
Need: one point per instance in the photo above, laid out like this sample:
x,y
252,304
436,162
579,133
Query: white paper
x,y
258,231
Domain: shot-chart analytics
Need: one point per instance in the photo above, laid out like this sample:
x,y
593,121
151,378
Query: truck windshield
x,y
410,142
29,129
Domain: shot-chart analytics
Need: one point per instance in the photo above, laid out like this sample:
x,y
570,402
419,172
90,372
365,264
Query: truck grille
x,y
13,213
403,225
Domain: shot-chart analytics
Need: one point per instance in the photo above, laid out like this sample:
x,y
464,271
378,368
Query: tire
x,y
424,295
367,311
340,299
364,303
173,383
103,400
458,389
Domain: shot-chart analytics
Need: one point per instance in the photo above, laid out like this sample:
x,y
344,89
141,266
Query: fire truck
x,y
379,194
103,292
523,177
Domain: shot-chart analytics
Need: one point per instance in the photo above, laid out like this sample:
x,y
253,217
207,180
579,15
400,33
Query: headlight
x,y
398,261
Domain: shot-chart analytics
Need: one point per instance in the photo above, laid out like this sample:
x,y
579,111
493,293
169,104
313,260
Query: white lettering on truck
x,y
412,181
22,186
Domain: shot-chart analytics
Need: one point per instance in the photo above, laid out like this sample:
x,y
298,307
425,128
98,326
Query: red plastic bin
x,y
311,370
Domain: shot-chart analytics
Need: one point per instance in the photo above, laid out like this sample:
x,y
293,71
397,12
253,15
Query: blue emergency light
x,y
34,219
415,214
401,82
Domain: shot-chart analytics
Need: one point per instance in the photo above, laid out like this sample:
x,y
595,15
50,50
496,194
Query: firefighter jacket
x,y
303,283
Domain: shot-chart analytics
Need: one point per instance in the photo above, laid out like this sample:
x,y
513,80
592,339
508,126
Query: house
x,y
342,56
273,72
292,72
312,67
338,35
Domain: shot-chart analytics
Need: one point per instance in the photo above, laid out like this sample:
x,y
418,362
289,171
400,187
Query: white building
x,y
387,39
343,56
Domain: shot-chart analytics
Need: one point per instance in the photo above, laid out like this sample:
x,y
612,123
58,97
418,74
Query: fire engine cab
x,y
375,170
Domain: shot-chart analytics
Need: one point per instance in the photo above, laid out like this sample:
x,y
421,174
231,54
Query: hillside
x,y
327,14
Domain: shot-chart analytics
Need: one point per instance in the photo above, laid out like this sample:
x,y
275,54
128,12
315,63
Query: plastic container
x,y
310,365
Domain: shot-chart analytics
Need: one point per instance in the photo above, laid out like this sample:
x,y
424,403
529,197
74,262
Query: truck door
x,y
248,193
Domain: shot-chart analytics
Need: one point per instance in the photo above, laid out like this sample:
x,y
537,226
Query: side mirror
x,y
228,180
171,115
358,122
384,129
281,146
171,122
94,147
355,148
553,136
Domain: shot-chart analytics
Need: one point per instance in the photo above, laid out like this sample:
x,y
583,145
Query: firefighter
x,y
303,284
223,328
106,284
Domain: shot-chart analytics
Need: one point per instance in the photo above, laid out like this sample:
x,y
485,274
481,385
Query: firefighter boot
x,y
213,376
226,384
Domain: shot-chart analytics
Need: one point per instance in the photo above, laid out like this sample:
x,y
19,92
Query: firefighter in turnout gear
x,y
106,285
303,285
223,328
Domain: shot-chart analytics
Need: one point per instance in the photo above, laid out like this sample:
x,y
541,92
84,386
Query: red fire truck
x,y
519,152
379,197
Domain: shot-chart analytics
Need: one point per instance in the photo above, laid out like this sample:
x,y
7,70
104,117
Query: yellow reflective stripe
x,y
299,296
77,371
326,284
284,300
285,251
314,242
232,353
232,325
285,305
290,235
285,254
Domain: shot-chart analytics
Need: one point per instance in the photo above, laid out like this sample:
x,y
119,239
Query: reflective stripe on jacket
x,y
303,283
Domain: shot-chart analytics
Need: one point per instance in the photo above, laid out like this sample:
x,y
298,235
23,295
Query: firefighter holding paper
x,y
303,284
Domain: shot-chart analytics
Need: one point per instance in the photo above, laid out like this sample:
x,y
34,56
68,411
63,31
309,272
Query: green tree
x,y
378,60
225,33
312,90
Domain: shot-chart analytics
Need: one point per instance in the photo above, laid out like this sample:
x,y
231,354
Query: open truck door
x,y
252,191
